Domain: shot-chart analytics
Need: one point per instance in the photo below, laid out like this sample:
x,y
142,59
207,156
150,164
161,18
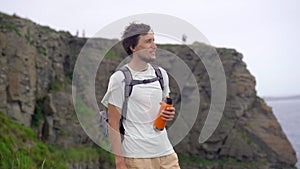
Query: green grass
x,y
226,52
225,160
245,136
10,26
84,113
28,37
85,154
67,80
111,54
59,86
38,115
41,50
56,86
165,45
82,108
19,149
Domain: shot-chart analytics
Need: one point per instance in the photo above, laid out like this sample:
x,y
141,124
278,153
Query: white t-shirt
x,y
140,139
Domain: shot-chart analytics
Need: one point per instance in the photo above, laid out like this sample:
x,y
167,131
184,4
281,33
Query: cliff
x,y
36,67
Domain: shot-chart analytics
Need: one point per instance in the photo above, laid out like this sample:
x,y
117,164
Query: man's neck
x,y
138,65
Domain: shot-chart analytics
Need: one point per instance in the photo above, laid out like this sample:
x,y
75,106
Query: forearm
x,y
114,135
115,138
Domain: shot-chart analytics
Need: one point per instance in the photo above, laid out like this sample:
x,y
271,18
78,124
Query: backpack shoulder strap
x,y
159,75
128,80
127,90
129,83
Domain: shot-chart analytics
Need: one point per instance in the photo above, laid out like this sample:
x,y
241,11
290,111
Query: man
x,y
142,147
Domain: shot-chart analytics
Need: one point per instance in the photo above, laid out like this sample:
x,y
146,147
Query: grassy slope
x,y
20,149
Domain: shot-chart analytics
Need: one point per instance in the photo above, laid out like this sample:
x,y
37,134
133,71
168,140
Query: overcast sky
x,y
266,32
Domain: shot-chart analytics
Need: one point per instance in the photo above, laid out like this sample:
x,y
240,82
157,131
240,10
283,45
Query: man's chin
x,y
149,60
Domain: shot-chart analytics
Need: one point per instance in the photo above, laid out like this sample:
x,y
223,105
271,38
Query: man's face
x,y
145,49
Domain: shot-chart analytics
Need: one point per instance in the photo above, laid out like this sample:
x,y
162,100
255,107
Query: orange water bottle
x,y
159,123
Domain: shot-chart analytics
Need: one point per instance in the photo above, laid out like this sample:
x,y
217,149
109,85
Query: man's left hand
x,y
168,114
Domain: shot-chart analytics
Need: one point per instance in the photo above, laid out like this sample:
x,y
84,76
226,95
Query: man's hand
x,y
168,114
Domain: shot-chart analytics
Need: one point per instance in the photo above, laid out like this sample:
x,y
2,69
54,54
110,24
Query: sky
x,y
266,32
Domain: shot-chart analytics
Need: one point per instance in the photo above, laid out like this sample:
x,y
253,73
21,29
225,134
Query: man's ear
x,y
132,48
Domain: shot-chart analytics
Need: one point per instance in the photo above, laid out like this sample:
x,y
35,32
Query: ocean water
x,y
287,113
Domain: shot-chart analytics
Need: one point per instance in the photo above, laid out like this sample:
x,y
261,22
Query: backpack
x,y
129,83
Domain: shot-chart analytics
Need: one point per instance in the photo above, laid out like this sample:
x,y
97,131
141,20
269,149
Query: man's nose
x,y
154,46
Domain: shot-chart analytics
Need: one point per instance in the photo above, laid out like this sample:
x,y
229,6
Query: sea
x,y
287,112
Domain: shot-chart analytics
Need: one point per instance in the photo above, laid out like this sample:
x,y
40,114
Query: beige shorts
x,y
164,162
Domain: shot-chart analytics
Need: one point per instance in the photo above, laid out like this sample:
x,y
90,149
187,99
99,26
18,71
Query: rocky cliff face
x,y
248,134
36,65
35,79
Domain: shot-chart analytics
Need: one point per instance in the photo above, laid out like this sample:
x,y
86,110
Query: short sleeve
x,y
115,90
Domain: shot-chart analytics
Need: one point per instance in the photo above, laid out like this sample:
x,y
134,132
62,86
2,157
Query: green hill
x,y
20,149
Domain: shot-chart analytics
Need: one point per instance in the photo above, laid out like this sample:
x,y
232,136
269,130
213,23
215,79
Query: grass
x,y
38,115
226,52
10,26
55,86
111,54
41,50
28,37
226,160
82,108
60,86
166,45
84,113
68,80
19,149
85,154
245,136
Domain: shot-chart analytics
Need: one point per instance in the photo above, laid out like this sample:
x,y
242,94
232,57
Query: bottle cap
x,y
168,100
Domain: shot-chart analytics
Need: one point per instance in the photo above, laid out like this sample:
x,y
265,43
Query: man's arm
x,y
114,115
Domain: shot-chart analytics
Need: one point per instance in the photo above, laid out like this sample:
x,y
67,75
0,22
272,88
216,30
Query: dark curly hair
x,y
131,35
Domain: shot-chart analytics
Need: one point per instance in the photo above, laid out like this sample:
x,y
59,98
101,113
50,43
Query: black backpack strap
x,y
159,75
136,82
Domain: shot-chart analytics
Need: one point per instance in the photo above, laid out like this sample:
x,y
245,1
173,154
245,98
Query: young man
x,y
142,146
